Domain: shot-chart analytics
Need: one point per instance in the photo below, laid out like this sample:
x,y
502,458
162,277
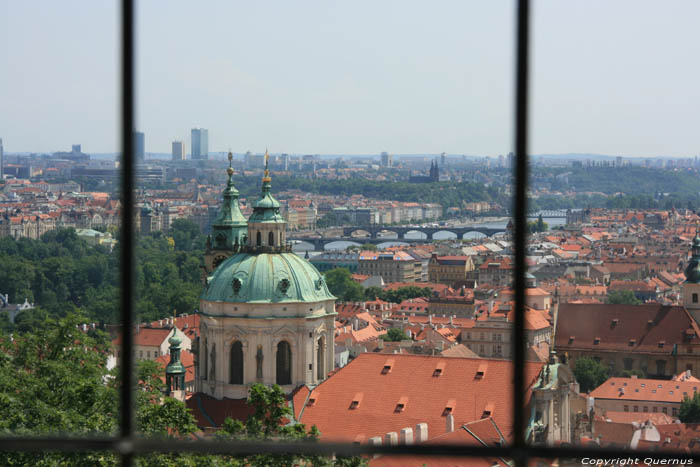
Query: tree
x,y
690,409
394,335
590,373
341,285
622,297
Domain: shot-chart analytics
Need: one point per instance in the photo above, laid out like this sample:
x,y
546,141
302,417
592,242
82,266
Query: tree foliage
x,y
590,373
340,284
690,409
394,335
623,297
61,273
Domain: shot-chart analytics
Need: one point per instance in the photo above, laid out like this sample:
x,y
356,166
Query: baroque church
x,y
266,314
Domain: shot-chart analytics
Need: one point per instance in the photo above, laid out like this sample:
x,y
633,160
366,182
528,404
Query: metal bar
x,y
520,224
127,234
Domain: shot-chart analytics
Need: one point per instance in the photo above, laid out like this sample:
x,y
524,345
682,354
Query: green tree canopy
x,y
394,335
622,297
590,373
690,409
341,285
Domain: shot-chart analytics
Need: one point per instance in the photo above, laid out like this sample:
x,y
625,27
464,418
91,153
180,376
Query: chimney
x,y
380,344
406,436
452,320
449,423
392,439
375,441
430,319
409,333
421,432
490,306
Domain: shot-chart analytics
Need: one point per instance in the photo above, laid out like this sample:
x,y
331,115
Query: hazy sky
x,y
354,76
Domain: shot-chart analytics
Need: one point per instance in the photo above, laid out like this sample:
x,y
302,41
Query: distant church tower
x,y
266,315
691,286
229,230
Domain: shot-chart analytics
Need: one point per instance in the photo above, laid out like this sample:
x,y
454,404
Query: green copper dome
x,y
266,278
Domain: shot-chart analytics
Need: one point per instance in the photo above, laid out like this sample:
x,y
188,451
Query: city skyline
x,y
420,82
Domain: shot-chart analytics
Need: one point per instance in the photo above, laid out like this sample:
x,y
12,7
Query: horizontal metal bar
x,y
243,448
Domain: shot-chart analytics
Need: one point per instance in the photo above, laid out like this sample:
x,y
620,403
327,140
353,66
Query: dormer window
x,y
596,341
387,366
356,401
439,368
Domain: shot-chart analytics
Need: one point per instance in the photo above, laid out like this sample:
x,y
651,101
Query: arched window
x,y
206,360
284,363
259,238
236,363
320,359
271,239
212,363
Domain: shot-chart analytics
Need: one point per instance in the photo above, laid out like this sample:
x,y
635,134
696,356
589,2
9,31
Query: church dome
x,y
266,278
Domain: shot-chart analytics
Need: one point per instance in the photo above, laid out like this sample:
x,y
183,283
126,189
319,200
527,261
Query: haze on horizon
x,y
360,77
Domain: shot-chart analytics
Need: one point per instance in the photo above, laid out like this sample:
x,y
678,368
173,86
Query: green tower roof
x,y
266,208
692,272
266,278
230,214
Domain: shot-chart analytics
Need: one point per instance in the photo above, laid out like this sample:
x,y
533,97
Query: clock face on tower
x,y
218,260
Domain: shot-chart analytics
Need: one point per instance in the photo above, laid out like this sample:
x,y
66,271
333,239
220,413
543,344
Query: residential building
x,y
640,395
398,266
659,340
449,269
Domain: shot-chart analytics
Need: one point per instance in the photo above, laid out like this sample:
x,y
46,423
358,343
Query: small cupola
x,y
266,226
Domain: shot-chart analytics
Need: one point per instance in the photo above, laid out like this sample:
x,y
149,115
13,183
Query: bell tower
x,y
691,286
229,230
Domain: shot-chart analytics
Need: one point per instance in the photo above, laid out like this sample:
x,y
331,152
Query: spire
x,y
266,178
230,226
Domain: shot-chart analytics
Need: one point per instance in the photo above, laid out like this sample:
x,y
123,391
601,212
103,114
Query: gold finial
x,y
230,162
174,316
267,178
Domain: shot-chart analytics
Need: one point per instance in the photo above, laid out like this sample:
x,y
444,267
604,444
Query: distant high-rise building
x,y
139,146
618,161
1,157
285,161
178,151
200,143
443,159
76,149
387,159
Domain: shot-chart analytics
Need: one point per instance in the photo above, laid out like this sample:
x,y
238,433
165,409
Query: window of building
x,y
695,298
627,408
236,362
284,363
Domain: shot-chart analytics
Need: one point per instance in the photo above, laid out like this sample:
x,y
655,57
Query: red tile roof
x,y
652,328
645,390
381,380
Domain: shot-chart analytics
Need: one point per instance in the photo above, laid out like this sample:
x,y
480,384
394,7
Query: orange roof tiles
x,y
428,396
645,390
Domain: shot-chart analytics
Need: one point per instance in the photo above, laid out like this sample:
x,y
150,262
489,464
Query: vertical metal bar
x,y
126,240
521,102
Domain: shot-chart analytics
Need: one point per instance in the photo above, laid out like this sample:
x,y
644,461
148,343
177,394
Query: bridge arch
x,y
363,233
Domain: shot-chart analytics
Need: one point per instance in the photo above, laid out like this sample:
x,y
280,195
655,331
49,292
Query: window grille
x,y
127,445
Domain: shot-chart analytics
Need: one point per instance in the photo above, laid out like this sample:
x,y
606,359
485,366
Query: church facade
x,y
267,315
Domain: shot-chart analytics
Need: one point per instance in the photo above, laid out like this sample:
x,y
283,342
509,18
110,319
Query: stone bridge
x,y
320,243
401,232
